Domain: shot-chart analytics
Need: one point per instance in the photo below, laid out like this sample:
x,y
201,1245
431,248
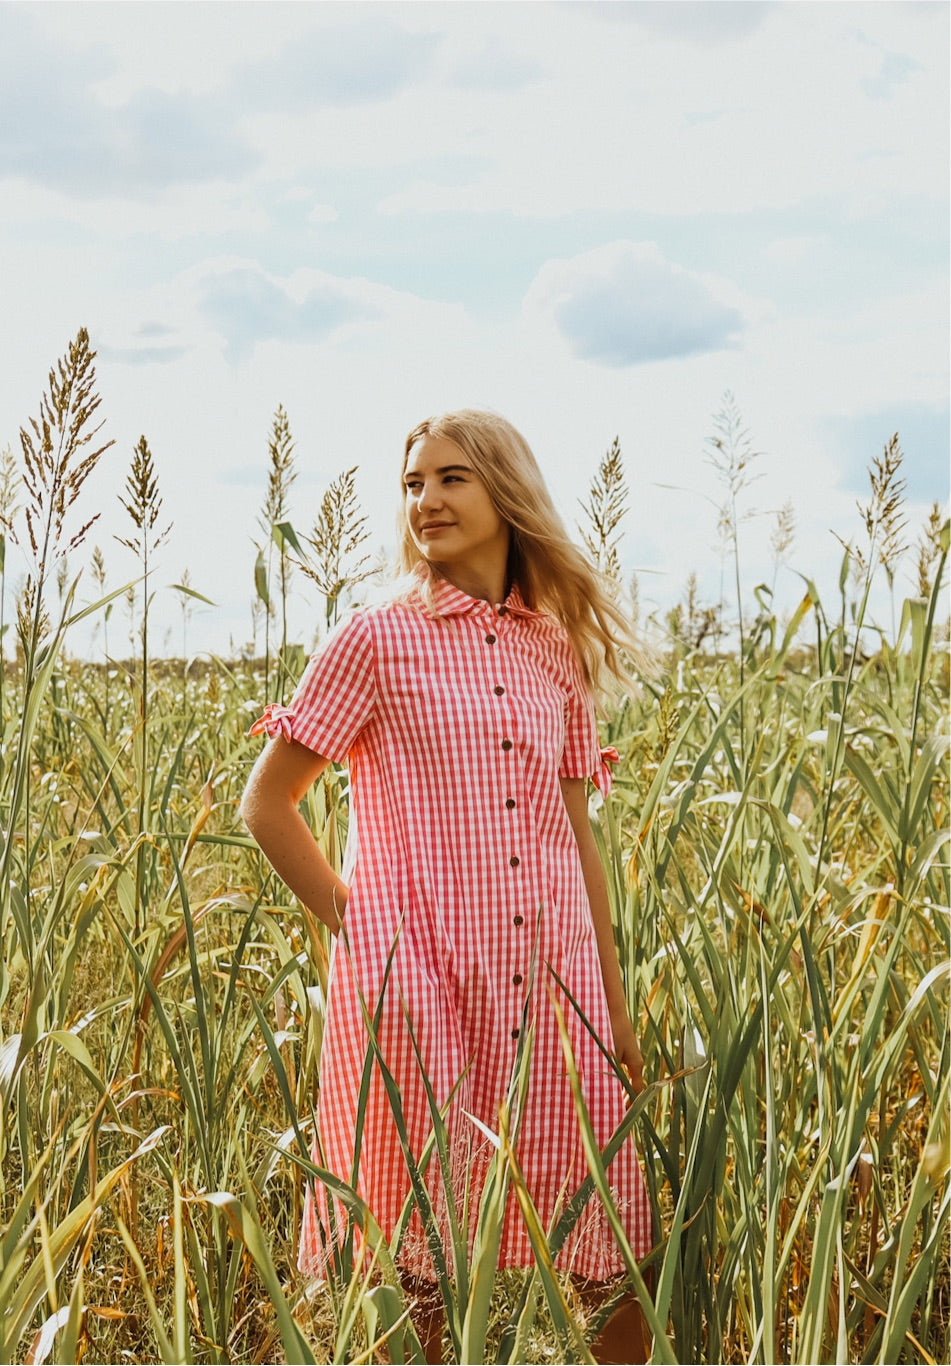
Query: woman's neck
x,y
487,583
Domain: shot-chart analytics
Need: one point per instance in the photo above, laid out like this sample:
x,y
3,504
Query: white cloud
x,y
246,306
322,213
178,213
365,61
624,123
894,349
788,153
572,113
692,21
625,304
143,355
794,250
493,66
59,133
426,197
895,69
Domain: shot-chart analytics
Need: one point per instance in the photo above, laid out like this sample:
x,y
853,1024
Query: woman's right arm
x,y
277,785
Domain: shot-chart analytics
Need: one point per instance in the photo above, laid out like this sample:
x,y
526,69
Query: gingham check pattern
x,y
456,730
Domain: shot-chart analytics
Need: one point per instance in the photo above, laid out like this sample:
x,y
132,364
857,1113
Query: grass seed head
x,y
28,623
99,569
884,514
605,509
143,503
784,531
929,550
10,488
281,473
338,533
731,453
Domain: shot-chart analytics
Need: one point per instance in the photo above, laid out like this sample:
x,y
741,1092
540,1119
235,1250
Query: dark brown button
x,y
515,1033
514,860
518,920
490,639
498,690
502,610
510,803
506,744
517,980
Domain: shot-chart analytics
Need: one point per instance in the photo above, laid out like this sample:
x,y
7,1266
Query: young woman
x,y
472,882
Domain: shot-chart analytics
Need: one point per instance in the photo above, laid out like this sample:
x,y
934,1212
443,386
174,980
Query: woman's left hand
x,y
626,1048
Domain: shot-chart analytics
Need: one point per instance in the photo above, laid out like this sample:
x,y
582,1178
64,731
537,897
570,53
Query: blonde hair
x,y
551,572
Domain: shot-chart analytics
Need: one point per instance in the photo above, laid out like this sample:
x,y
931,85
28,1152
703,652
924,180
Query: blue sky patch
x,y
924,434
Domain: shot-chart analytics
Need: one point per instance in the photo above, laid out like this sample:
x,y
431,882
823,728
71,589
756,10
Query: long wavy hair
x,y
551,572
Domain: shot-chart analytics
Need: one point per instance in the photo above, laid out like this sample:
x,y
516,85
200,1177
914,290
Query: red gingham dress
x,y
456,729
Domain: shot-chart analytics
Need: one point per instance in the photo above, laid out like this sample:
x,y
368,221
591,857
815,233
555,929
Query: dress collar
x,y
451,601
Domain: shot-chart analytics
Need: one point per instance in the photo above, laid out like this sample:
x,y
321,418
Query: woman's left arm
x,y
626,1049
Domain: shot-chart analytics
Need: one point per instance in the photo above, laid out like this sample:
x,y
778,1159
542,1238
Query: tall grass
x,y
777,851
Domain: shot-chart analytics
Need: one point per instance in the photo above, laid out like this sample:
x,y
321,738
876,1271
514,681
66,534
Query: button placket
x,y
518,1003
507,745
514,860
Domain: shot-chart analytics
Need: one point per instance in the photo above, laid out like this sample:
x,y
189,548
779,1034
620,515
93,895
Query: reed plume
x,y
929,550
884,514
59,454
274,523
9,502
143,503
338,533
605,509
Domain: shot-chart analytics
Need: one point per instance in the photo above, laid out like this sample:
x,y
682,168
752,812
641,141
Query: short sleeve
x,y
335,697
583,756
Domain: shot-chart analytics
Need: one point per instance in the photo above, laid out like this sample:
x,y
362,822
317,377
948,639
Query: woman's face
x,y
451,517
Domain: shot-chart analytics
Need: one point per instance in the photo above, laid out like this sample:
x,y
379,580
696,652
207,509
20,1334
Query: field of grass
x,y
777,846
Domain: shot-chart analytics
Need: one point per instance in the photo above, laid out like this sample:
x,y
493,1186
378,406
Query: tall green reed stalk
x,y
59,454
781,917
730,452
757,925
143,503
278,533
9,504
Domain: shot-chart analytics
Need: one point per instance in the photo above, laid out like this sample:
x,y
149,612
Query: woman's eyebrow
x,y
443,469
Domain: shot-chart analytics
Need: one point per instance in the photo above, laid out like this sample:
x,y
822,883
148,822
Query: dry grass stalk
x,y
59,453
929,550
143,503
884,514
10,484
281,473
784,532
605,509
736,939
338,533
730,451
274,523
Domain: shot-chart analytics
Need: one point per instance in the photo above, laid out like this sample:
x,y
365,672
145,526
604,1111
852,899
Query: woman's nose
x,y
429,496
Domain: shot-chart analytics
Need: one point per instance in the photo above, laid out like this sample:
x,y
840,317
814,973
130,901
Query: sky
x,y
595,218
